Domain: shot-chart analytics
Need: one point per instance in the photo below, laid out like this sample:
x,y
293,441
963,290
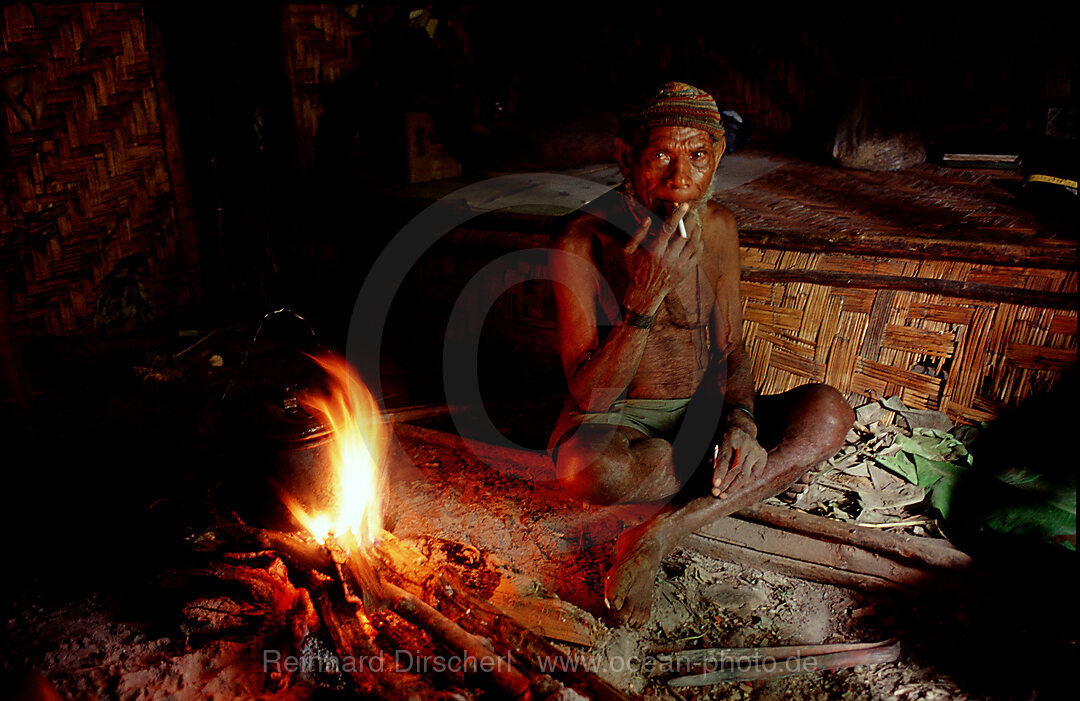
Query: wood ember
x,y
508,636
498,651
353,640
249,595
519,596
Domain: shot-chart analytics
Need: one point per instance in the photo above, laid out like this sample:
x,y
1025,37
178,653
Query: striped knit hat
x,y
673,104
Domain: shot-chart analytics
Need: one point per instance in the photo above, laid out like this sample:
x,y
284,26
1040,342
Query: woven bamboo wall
x,y
974,357
319,42
89,184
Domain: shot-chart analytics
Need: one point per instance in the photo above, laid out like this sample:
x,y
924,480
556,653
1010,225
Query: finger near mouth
x,y
666,209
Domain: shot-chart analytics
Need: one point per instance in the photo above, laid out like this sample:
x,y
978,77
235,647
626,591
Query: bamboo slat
x,y
93,181
915,340
866,341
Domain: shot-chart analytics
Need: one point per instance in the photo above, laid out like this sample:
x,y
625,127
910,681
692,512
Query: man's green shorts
x,y
656,418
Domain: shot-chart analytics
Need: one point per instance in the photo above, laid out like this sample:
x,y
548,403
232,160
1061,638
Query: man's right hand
x,y
658,264
738,461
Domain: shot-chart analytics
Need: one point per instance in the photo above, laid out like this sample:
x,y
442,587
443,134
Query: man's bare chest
x,y
689,304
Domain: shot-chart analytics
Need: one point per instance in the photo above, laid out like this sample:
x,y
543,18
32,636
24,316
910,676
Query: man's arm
x,y
595,375
599,373
739,455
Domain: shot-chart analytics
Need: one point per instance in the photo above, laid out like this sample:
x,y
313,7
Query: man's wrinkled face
x,y
673,165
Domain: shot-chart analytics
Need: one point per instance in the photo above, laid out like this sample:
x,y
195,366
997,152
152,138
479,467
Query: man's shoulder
x,y
583,231
579,233
719,218
720,229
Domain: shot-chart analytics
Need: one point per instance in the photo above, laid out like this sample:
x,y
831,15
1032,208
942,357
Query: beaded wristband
x,y
638,321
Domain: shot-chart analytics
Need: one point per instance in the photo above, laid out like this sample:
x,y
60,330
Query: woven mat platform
x,y
928,211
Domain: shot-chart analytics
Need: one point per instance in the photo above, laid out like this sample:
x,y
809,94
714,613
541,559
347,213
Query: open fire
x,y
362,581
356,453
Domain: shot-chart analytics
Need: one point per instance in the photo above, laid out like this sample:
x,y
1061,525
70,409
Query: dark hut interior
x,y
199,197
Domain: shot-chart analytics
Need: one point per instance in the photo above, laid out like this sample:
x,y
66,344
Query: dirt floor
x,y
947,646
86,614
112,642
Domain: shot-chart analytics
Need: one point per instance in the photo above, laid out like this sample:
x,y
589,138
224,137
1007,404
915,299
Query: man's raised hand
x,y
657,264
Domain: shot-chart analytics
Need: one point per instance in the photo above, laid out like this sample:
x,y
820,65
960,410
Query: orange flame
x,y
358,441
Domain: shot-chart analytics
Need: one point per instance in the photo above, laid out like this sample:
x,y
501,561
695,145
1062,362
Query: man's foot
x,y
792,493
628,586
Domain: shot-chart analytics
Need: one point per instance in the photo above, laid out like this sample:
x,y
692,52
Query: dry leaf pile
x,y
854,485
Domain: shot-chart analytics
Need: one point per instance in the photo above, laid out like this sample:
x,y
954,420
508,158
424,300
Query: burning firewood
x,y
357,574
378,593
251,594
431,598
380,676
511,638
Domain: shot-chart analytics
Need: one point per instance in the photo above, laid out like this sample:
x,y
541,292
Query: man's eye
x,y
698,155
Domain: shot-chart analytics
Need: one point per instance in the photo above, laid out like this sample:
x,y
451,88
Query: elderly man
x,y
661,403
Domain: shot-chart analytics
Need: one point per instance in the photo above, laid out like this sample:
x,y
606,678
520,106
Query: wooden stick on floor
x,y
932,552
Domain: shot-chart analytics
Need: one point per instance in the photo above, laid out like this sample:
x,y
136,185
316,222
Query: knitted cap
x,y
673,104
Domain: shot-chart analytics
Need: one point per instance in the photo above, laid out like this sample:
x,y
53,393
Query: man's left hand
x,y
738,461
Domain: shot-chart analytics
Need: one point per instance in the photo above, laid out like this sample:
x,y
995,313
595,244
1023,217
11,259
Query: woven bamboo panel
x,y
968,358
323,44
89,184
319,45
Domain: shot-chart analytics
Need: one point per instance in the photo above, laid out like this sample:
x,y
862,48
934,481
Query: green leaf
x,y
939,479
1065,500
1021,477
930,471
1023,502
934,445
1044,520
900,465
941,495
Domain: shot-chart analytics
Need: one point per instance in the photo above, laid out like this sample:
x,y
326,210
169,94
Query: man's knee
x,y
590,477
597,466
832,412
